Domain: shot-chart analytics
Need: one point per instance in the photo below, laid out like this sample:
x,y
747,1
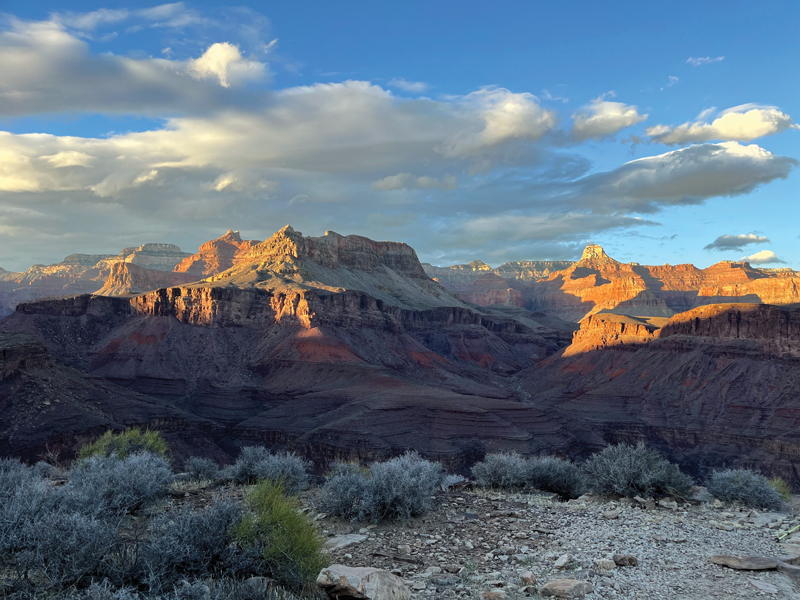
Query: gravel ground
x,y
475,542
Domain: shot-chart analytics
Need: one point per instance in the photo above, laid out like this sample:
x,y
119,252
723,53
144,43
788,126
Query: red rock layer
x,y
217,255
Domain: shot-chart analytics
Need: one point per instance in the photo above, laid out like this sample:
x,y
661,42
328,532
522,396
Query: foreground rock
x,y
746,563
360,583
566,588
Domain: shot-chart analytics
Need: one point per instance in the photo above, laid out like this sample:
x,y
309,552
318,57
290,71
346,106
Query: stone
x,y
527,578
571,589
791,570
605,564
404,549
764,586
626,560
258,585
494,595
668,503
745,563
357,583
563,561
343,541
611,515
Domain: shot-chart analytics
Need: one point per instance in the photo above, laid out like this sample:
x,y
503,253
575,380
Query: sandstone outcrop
x,y
598,283
126,278
716,381
216,256
339,347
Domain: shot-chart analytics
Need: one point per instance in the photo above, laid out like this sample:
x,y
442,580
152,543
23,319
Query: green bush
x,y
779,485
130,441
743,485
288,543
634,471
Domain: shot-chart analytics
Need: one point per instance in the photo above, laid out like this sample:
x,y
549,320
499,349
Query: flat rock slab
x,y
764,586
745,563
572,589
792,571
343,541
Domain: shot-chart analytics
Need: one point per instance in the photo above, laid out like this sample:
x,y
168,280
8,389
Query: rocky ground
x,y
482,544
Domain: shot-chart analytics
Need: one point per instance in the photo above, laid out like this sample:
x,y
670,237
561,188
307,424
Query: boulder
x,y
362,583
343,541
571,589
626,560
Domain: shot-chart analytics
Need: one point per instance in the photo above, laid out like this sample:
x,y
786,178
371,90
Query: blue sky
x,y
512,132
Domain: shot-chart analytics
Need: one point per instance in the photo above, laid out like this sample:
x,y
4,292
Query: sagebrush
x,y
256,463
396,489
502,470
745,486
630,471
200,469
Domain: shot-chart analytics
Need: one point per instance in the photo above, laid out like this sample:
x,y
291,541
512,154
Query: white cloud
x,y
503,116
736,242
740,123
763,257
673,79
415,87
705,60
407,181
602,118
224,62
69,158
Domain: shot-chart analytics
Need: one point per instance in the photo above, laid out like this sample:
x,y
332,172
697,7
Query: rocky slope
x,y
337,346
713,385
598,283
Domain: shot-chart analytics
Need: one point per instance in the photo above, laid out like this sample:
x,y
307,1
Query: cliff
x,y
125,278
216,255
598,283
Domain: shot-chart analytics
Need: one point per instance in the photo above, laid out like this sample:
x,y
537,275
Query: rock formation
x,y
598,283
714,384
126,278
216,256
338,346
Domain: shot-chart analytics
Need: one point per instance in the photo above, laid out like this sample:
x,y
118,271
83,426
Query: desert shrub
x,y
64,546
397,489
201,469
552,474
106,591
779,485
287,542
743,485
502,470
45,470
634,471
256,462
125,443
190,542
344,490
20,509
13,474
108,483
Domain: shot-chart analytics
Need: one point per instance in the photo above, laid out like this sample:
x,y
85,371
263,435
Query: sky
x,y
666,132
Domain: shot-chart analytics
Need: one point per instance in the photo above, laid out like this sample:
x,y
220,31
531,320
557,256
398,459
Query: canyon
x,y
344,347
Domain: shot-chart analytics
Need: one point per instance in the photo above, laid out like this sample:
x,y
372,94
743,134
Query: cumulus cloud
x,y
740,123
224,62
415,87
47,69
763,257
70,158
736,242
502,116
407,181
704,60
602,118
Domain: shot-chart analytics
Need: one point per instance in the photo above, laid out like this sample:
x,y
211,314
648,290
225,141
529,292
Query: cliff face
x,y
598,283
216,256
19,352
125,278
715,384
336,346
